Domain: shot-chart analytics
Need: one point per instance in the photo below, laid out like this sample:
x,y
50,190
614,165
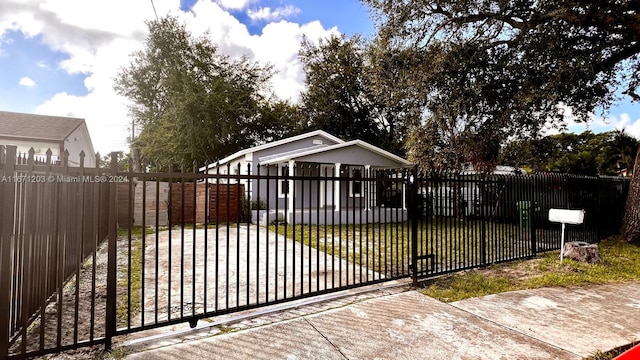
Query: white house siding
x,y
354,155
40,147
77,142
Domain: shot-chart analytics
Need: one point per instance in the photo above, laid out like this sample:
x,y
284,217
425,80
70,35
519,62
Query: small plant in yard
x,y
226,329
259,204
117,354
609,355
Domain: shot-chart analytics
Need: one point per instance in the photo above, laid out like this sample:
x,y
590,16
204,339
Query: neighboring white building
x,y
314,154
499,170
42,132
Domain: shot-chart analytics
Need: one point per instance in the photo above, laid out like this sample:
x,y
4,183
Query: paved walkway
x,y
553,323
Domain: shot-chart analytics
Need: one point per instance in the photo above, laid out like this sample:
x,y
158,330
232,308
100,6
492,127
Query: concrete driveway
x,y
191,271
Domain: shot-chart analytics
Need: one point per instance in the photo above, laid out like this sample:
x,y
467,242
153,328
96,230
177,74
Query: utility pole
x,y
154,9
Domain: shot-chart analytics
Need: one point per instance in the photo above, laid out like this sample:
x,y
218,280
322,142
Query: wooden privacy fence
x,y
165,203
188,203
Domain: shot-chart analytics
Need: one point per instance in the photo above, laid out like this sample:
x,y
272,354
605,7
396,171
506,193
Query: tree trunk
x,y
631,220
135,155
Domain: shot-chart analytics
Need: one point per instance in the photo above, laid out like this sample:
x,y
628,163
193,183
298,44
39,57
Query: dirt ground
x,y
249,271
90,309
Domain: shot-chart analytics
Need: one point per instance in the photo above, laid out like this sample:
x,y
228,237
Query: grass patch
x,y
609,355
621,262
386,247
118,353
136,231
376,246
132,280
226,329
454,288
129,302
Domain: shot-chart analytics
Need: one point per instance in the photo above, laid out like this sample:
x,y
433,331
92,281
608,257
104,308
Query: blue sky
x,y
59,57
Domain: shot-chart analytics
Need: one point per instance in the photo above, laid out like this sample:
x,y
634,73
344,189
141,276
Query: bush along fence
x,y
89,254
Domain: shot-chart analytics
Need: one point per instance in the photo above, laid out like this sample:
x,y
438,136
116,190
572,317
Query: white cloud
x,y
42,65
97,38
631,127
27,81
595,123
267,14
233,4
619,122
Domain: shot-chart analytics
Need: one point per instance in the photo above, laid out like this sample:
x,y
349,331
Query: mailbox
x,y
566,216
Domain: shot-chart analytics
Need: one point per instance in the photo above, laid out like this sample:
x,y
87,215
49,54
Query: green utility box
x,y
524,212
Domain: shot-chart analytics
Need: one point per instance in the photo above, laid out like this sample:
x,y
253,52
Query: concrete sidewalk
x,y
552,323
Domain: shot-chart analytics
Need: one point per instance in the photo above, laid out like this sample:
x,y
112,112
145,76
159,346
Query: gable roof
x,y
279,158
311,151
273,144
37,127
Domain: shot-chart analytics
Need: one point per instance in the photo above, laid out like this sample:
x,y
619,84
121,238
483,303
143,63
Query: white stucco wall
x,y
40,147
77,142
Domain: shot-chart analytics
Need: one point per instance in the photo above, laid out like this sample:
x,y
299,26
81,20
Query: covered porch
x,y
352,182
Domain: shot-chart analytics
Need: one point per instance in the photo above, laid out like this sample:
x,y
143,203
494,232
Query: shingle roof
x,y
273,144
31,126
292,155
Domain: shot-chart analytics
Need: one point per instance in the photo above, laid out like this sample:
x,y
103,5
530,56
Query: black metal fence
x,y
467,221
309,230
53,218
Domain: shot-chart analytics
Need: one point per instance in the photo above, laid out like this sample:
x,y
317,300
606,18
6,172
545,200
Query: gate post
x,y
7,214
532,217
413,221
110,318
484,202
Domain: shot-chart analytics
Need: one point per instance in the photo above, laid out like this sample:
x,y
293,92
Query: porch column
x,y
291,185
336,189
404,194
367,187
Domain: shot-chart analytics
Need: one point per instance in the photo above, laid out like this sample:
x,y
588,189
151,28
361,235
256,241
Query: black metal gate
x,y
277,248
89,254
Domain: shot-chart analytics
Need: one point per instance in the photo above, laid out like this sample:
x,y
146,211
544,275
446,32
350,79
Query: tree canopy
x,y
607,153
193,103
492,70
340,96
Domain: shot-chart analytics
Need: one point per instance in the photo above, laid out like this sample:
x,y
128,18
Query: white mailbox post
x,y
565,216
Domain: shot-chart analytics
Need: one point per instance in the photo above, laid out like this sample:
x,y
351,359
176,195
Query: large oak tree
x,y
495,70
340,97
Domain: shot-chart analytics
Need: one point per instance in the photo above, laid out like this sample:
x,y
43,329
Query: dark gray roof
x,y
31,126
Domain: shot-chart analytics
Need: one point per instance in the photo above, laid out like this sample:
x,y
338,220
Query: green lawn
x,y
453,244
621,262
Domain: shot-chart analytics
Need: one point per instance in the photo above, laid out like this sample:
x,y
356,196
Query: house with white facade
x,y
42,133
316,178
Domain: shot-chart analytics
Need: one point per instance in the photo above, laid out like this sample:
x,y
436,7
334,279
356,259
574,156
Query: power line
x,y
154,9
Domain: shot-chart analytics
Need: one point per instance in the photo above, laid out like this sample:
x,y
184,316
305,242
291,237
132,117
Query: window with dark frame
x,y
284,184
356,182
